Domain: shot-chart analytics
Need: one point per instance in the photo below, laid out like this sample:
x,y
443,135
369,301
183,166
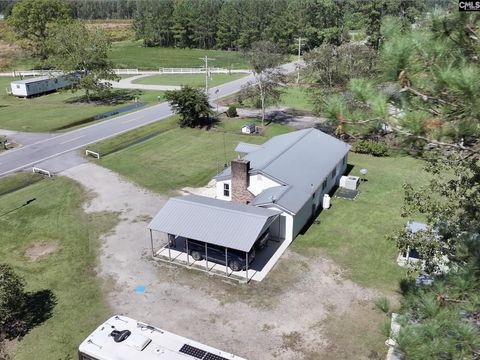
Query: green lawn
x,y
56,216
180,157
132,54
196,80
296,98
354,232
52,112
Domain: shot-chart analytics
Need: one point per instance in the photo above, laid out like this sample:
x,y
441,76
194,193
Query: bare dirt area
x,y
304,309
41,250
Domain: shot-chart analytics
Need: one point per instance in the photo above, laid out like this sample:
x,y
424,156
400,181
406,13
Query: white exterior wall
x,y
282,228
37,87
259,183
219,190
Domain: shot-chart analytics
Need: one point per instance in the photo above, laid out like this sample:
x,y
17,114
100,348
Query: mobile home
x,y
40,85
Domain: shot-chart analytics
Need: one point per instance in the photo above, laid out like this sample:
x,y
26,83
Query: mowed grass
x,y
132,54
56,216
53,111
196,80
354,233
296,98
179,157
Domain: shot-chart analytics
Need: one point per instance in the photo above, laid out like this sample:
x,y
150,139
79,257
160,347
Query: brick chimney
x,y
241,181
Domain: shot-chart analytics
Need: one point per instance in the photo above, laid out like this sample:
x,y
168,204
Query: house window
x,y
18,86
226,189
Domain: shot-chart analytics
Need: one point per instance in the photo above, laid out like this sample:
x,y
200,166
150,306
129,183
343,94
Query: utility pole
x,y
300,43
205,59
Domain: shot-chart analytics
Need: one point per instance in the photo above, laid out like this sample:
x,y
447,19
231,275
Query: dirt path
x,y
282,317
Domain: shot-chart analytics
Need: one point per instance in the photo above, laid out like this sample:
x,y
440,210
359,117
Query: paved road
x,y
127,84
60,144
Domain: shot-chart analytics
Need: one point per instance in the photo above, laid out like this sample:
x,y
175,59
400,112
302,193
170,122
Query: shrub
x,y
232,111
370,147
383,304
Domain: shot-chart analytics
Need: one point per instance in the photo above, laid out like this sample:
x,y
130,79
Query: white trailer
x,y
40,85
122,338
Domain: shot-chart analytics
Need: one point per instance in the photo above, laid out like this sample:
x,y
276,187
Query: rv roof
x,y
145,342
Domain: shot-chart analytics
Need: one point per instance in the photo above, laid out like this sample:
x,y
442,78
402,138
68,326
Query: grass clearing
x,y
354,233
296,98
56,216
195,80
128,138
18,181
179,157
132,54
53,111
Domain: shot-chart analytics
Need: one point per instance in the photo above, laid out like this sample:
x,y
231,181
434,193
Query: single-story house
x,y
270,193
290,173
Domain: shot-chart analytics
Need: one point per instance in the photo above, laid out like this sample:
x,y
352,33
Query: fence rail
x,y
213,70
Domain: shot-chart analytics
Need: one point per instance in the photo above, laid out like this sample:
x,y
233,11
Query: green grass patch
x,y
296,98
56,217
234,125
180,157
354,233
128,138
196,80
57,111
18,181
132,54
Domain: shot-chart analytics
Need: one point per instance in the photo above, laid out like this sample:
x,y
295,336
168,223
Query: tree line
x,y
236,24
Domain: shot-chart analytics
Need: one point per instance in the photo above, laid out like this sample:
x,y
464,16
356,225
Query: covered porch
x,y
223,229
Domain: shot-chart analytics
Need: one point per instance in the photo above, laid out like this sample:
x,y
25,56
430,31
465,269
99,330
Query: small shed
x,y
249,129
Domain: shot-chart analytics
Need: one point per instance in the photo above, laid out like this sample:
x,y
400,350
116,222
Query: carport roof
x,y
232,225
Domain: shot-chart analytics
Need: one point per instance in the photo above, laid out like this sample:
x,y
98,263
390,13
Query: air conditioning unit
x,y
349,182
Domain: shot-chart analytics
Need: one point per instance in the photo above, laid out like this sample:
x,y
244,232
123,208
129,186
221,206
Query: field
x,y
55,222
196,80
55,111
132,54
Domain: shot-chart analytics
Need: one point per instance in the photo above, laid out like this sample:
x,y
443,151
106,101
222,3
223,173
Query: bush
x,y
370,147
232,111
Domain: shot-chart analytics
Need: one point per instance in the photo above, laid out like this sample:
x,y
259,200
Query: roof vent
x,y
119,336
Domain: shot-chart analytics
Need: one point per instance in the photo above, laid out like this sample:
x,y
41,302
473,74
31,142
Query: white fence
x,y
213,70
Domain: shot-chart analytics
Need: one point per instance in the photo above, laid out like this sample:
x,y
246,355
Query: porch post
x,y
206,258
168,242
186,242
246,265
226,262
151,243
